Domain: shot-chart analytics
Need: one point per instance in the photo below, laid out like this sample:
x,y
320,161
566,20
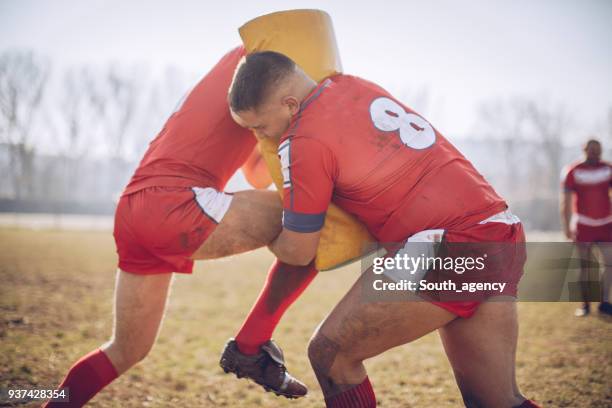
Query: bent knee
x,y
128,354
321,351
324,353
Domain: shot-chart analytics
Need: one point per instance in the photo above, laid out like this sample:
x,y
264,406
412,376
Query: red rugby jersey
x,y
354,144
200,144
591,183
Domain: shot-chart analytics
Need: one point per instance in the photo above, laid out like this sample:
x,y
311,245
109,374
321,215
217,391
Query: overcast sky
x,y
462,53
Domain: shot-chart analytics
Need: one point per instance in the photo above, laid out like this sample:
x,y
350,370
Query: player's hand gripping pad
x,y
307,37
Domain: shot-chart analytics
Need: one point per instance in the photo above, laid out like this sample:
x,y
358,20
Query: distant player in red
x,y
173,211
586,215
348,141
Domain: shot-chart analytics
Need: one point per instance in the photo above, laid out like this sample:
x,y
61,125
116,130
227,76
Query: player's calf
x,y
140,302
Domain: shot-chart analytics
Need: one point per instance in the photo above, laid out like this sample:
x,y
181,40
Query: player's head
x,y
266,92
592,150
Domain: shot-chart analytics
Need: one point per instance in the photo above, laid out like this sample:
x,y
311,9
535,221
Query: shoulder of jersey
x,y
575,165
567,169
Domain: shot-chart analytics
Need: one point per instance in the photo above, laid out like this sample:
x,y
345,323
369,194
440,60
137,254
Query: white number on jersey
x,y
388,116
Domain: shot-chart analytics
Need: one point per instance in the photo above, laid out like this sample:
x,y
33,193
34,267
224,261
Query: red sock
x,y
85,379
284,284
528,404
360,396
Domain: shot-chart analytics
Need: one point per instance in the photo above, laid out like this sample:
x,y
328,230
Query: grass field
x,y
56,302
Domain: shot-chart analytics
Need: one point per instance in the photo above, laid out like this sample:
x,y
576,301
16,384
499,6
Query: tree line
x,y
70,137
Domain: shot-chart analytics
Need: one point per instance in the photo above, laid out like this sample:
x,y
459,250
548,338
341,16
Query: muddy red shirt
x,y
354,144
591,183
200,145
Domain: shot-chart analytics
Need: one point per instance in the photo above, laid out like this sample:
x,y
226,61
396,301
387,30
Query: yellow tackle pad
x,y
307,37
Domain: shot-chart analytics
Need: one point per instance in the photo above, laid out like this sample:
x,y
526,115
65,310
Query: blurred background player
x,y
587,219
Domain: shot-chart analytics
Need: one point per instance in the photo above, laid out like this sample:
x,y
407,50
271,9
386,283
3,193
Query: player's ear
x,y
292,103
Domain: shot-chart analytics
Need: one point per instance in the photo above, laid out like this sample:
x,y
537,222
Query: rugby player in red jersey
x,y
586,194
348,141
174,211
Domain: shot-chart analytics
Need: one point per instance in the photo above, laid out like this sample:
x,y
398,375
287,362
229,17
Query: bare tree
x,y
77,112
117,97
74,126
163,96
550,126
23,78
504,123
122,98
518,123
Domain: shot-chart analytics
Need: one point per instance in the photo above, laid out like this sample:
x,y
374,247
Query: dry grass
x,y
55,304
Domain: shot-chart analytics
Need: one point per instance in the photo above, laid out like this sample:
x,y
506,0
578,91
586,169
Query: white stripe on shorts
x,y
421,244
214,203
505,217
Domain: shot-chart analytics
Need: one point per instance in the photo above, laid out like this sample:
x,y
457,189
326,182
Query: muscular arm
x,y
255,170
566,212
295,248
308,168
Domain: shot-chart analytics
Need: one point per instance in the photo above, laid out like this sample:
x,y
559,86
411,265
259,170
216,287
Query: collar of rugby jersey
x,y
314,94
593,163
